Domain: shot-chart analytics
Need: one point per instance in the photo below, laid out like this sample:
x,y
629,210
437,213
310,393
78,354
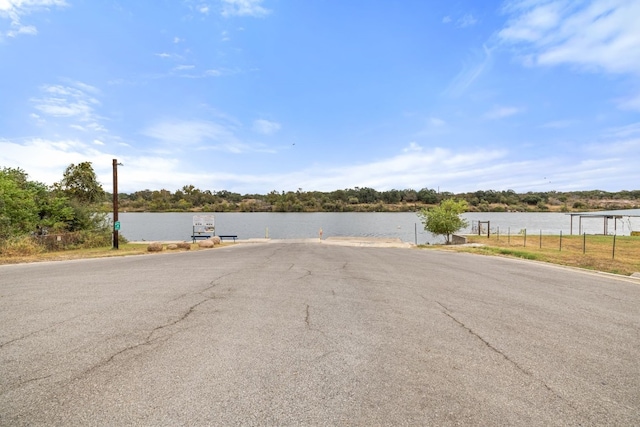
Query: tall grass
x,y
32,245
20,247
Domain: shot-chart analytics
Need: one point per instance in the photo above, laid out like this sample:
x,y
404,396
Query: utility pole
x,y
116,223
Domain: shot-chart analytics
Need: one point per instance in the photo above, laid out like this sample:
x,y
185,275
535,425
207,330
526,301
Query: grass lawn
x,y
595,252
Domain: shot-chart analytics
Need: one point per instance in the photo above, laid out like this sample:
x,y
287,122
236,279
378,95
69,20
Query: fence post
x,y
560,240
525,237
509,236
498,235
584,242
540,239
613,255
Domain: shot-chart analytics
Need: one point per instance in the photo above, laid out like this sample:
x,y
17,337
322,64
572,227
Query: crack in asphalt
x,y
41,330
23,383
447,313
305,275
307,319
150,339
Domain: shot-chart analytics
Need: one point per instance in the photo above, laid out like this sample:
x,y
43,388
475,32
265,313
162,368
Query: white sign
x,y
203,221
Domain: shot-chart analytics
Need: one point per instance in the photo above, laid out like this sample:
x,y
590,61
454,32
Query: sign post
x,y
203,224
115,204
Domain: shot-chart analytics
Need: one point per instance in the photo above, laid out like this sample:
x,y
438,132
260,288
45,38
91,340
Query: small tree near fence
x,y
444,219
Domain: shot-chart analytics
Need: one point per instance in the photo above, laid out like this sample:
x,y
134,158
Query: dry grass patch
x,y
592,252
124,249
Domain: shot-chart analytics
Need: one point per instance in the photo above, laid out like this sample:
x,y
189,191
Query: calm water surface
x,y
403,225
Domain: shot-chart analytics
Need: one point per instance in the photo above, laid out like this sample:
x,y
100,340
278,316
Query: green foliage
x,y
29,208
80,183
444,219
18,203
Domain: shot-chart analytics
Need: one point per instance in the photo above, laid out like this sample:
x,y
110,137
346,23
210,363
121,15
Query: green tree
x,y
18,203
79,182
444,219
80,186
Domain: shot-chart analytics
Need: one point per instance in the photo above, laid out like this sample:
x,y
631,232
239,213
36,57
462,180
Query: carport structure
x,y
604,216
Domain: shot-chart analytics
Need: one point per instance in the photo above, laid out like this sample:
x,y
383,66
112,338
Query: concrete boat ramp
x,y
370,242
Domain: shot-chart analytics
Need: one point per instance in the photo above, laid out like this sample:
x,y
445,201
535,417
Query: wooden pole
x,y
115,203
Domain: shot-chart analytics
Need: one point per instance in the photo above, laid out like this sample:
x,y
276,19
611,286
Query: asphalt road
x,y
314,334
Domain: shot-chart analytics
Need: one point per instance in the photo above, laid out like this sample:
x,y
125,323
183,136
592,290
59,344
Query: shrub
x,y
20,246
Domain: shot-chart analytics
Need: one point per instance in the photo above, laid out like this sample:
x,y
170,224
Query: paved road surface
x,y
312,334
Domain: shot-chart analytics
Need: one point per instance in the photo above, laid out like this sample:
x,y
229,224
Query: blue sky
x,y
252,96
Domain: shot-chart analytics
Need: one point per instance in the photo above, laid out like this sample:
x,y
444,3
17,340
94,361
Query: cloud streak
x,y
73,104
470,73
244,8
15,10
600,35
502,112
266,127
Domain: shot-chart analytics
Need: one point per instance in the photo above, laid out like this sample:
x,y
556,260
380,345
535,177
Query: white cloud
x,y
413,147
466,21
72,105
243,8
59,101
502,112
15,10
623,131
191,132
461,169
22,29
197,135
45,160
599,35
170,56
436,122
265,127
470,72
446,19
72,102
184,67
630,103
559,124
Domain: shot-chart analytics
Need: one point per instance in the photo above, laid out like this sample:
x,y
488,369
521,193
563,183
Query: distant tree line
x,y
78,204
365,199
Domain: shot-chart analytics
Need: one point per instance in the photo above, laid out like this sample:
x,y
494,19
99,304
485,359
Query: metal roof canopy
x,y
606,217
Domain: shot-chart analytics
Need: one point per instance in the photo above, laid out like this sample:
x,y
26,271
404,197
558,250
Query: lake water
x,y
403,225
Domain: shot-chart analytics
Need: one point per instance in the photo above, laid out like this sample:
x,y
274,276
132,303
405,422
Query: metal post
x,y
560,240
613,255
540,239
584,243
115,203
525,237
571,232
